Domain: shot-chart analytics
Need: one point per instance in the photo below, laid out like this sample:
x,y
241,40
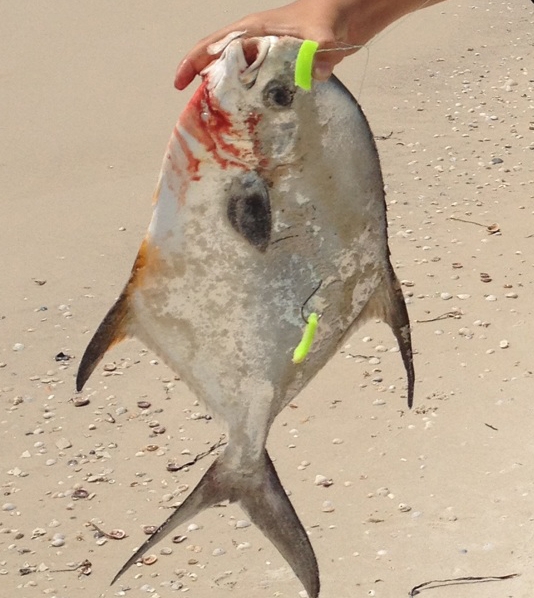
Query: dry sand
x,y
443,491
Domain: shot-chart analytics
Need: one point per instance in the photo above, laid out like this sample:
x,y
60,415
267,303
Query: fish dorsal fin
x,y
111,331
387,303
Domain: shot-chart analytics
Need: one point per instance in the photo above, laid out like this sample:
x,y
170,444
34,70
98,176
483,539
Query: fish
x,y
269,214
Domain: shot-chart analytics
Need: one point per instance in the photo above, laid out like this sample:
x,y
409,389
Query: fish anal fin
x,y
111,331
262,497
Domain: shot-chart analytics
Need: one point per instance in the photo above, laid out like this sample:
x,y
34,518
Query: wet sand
x,y
443,491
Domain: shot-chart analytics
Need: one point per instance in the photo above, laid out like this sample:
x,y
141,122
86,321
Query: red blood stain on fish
x,y
211,126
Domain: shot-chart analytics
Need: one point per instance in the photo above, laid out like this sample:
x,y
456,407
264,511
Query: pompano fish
x,y
269,206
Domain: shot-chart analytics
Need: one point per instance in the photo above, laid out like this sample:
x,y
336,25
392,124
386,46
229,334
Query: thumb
x,y
322,69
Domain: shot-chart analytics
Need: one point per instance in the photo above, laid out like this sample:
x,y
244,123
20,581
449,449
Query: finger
x,y
185,73
197,60
199,57
327,57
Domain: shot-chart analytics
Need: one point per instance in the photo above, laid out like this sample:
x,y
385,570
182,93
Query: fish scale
x,y
270,206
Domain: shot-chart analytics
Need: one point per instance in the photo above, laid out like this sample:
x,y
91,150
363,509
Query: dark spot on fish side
x,y
249,209
278,94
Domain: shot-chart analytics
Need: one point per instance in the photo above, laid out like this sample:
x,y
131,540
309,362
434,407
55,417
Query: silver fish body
x,y
270,206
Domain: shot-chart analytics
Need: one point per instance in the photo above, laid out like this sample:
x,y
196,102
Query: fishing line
x,y
308,300
343,46
303,348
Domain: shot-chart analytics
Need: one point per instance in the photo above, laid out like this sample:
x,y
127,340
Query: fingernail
x,y
322,71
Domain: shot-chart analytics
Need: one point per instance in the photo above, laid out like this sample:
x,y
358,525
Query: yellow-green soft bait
x,y
304,64
303,348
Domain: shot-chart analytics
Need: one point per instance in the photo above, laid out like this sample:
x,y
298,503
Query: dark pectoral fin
x,y
112,330
249,209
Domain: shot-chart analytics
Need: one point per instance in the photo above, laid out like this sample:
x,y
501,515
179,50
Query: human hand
x,y
324,22
339,26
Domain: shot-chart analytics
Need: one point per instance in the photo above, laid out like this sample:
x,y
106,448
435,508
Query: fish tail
x,y
272,512
265,501
112,330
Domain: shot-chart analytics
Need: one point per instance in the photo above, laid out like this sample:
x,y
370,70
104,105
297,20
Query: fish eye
x,y
277,94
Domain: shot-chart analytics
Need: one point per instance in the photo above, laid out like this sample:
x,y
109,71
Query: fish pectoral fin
x,y
263,498
111,331
387,303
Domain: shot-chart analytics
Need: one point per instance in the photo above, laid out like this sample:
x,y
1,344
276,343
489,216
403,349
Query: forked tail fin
x,y
263,498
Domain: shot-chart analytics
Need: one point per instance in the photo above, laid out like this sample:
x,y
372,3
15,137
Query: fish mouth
x,y
240,57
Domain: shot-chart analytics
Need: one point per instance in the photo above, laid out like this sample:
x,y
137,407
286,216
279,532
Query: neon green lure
x,y
304,64
303,348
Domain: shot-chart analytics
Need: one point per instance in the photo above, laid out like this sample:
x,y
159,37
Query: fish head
x,y
252,81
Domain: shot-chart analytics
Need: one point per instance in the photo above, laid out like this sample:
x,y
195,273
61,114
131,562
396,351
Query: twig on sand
x,y
221,442
490,228
448,314
440,583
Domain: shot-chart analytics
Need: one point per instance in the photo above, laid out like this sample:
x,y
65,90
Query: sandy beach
x,y
392,498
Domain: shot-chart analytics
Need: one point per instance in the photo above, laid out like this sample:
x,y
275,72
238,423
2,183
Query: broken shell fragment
x,y
80,401
80,493
149,559
117,534
179,539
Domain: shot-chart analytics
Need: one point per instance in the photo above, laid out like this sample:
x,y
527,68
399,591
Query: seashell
x,y
149,559
38,532
80,401
143,404
178,539
151,448
80,493
85,569
149,529
116,534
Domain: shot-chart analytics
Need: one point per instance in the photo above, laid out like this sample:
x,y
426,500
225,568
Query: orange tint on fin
x,y
147,260
114,327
